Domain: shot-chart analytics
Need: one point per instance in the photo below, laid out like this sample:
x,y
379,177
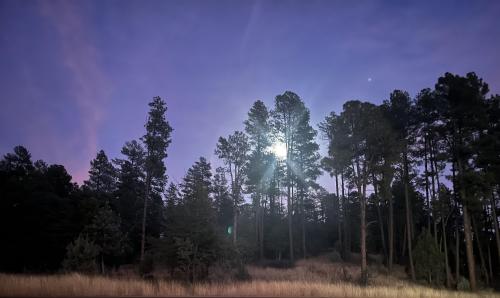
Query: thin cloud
x,y
90,85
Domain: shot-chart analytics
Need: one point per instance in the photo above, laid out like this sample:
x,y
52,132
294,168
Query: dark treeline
x,y
416,180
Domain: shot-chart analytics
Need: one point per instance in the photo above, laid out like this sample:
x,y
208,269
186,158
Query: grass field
x,y
313,278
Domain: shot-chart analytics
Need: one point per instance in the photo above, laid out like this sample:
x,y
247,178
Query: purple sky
x,y
76,76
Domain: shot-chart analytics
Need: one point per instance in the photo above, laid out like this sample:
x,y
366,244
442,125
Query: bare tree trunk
x,y
495,222
489,262
347,235
102,264
433,190
480,248
144,215
303,223
467,230
379,215
457,233
403,251
391,232
408,221
339,225
257,219
469,247
427,197
289,207
361,184
235,224
448,273
261,249
364,267
457,252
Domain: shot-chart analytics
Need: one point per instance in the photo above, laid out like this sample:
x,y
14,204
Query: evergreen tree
x,y
288,112
130,193
81,256
156,140
399,111
102,176
234,152
429,265
222,199
463,117
195,238
104,231
258,172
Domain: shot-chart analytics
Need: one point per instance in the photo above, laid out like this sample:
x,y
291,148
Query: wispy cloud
x,y
89,83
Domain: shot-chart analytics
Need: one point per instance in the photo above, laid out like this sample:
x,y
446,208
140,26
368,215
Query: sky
x,y
76,76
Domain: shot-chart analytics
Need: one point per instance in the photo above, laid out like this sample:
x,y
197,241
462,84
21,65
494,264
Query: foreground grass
x,y
314,277
81,285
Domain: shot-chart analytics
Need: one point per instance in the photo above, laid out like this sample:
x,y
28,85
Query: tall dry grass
x,y
79,285
311,278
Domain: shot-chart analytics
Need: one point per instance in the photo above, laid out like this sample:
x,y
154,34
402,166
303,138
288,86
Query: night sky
x,y
76,76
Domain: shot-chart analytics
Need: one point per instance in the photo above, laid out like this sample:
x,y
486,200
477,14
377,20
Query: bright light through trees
x,y
279,150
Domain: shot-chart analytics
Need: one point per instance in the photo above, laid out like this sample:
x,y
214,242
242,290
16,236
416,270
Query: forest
x,y
416,184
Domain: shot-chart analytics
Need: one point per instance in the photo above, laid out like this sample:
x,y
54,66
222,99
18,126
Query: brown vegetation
x,y
313,278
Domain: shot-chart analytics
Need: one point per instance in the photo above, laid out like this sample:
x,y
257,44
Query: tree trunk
x,y
495,222
379,215
339,225
144,215
347,235
408,221
457,233
102,264
235,224
364,268
480,248
303,223
391,232
427,197
289,207
469,247
261,249
403,251
257,219
457,252
448,273
489,262
362,177
434,191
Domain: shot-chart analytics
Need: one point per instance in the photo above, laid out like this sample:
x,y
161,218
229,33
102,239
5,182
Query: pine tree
x,y
81,256
234,152
156,140
104,231
258,129
222,199
130,192
463,117
399,111
288,112
102,176
196,240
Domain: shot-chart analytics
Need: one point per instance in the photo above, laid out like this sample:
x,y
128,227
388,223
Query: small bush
x,y
81,256
335,257
429,260
463,284
278,264
147,265
242,273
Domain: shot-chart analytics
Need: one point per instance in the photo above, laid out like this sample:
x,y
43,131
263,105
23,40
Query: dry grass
x,y
312,278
